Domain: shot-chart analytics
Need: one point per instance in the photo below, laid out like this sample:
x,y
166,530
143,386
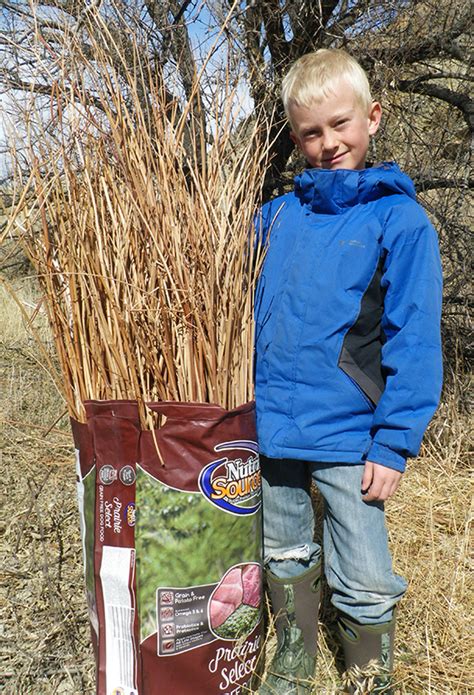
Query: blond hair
x,y
313,77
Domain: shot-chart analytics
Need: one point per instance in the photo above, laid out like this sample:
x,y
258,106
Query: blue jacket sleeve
x,y
411,355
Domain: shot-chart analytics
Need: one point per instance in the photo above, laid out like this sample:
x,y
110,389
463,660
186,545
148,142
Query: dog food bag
x,y
171,528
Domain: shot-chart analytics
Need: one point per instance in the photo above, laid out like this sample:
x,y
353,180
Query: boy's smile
x,y
334,133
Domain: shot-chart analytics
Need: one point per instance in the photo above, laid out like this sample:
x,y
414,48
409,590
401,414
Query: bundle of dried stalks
x,y
140,229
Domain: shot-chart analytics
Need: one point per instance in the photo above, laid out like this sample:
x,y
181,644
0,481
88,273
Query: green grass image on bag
x,y
183,540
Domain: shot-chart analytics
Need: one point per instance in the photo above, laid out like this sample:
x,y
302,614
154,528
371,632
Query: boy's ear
x,y
294,138
375,114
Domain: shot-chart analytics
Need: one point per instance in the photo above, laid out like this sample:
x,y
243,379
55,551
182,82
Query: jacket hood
x,y
333,191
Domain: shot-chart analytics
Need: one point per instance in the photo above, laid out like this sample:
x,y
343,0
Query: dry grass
x,y
45,637
430,521
28,390
139,225
45,634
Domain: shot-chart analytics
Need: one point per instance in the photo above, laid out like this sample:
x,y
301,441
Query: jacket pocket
x,y
371,385
369,402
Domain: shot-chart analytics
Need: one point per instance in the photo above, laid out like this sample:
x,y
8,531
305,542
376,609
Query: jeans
x,y
357,561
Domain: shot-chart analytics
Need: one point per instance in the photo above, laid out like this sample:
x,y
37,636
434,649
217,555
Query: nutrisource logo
x,y
233,484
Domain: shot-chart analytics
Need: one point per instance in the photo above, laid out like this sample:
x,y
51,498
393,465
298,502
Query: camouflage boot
x,y
295,607
368,651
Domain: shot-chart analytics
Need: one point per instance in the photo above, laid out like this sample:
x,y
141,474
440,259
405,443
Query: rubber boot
x,y
295,607
368,648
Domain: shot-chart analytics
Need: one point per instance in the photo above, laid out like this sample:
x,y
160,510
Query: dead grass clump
x,y
139,224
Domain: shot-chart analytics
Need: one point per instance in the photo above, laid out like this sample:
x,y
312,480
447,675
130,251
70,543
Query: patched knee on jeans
x,y
301,552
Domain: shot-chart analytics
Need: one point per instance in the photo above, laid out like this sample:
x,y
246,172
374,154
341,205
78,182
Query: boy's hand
x,y
379,482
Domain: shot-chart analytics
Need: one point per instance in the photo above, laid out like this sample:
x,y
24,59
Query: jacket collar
x,y
334,191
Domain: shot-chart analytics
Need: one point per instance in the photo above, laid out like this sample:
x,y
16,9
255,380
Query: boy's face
x,y
334,134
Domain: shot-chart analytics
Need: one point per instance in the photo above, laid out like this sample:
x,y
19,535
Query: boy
x,y
348,370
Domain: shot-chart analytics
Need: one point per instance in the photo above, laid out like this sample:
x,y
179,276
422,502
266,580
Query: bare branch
x,y
430,184
460,100
418,46
347,17
275,34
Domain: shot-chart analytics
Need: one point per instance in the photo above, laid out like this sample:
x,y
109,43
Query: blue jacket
x,y
348,355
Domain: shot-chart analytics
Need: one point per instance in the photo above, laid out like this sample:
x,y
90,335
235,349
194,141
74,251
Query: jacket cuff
x,y
378,453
